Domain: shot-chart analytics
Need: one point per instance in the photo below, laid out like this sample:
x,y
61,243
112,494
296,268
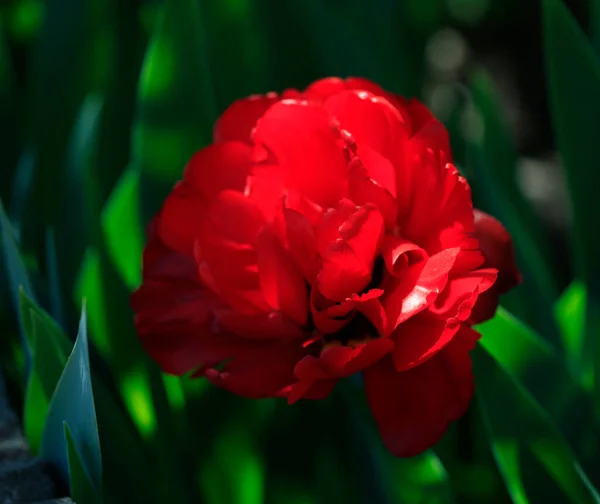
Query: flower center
x,y
359,328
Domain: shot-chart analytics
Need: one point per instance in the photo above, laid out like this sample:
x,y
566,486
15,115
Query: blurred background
x,y
101,104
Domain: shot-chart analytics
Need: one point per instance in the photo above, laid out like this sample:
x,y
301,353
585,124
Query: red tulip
x,y
322,234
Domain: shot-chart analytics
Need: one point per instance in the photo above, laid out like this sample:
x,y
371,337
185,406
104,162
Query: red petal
x,y
174,316
420,338
237,122
218,167
363,190
272,325
180,219
428,132
399,254
330,318
301,137
282,283
324,88
236,217
160,262
460,294
365,85
497,247
376,125
414,408
338,361
328,231
302,243
348,262
260,374
418,287
310,390
379,168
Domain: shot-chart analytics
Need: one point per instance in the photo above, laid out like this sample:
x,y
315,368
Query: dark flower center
x,y
360,328
357,330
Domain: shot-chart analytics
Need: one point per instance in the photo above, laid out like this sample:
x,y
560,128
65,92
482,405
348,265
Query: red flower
x,y
322,234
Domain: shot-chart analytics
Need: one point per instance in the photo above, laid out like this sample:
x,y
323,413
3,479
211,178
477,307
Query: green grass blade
x,y
542,372
73,403
82,489
573,72
493,157
519,424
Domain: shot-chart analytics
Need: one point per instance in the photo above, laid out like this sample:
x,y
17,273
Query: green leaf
x,y
176,104
49,350
80,205
121,443
235,472
573,72
518,423
138,380
68,63
122,225
82,490
492,154
538,368
14,267
73,403
569,312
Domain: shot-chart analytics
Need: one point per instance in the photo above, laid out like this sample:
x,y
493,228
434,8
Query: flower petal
x,y
414,408
180,219
218,167
341,361
418,287
281,281
348,262
331,317
420,338
399,254
302,138
363,190
272,325
237,122
377,127
497,247
260,374
302,243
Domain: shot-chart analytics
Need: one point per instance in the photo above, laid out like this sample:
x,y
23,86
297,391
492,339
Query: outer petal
x,y
337,361
375,124
219,167
302,138
237,122
174,313
181,218
428,132
259,326
260,374
497,247
414,408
